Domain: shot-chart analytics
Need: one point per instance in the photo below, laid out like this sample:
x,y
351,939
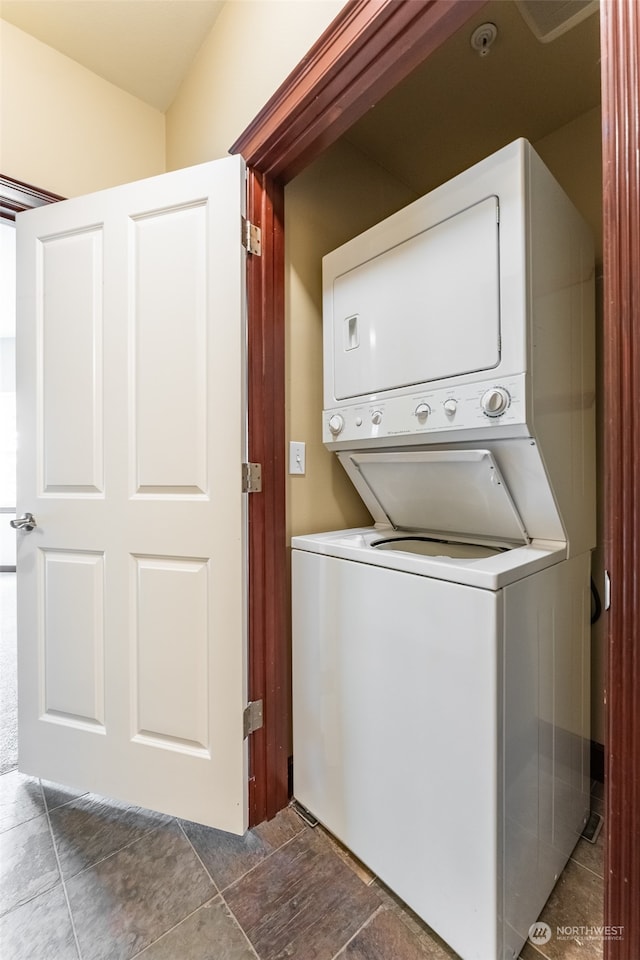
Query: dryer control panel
x,y
417,417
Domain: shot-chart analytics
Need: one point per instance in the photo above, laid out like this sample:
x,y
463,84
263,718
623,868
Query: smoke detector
x,y
548,19
483,37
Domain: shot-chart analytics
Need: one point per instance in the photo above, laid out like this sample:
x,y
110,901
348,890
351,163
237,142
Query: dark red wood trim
x,y
16,196
365,52
369,48
620,52
269,658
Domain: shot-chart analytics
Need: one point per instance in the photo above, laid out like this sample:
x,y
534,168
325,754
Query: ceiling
x,y
459,107
142,46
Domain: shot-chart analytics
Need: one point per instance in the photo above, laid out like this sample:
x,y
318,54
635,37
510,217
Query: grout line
x,y
125,846
536,949
113,853
240,927
366,923
583,867
174,927
260,862
199,858
62,880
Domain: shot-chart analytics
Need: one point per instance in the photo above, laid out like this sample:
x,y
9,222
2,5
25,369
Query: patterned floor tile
x,y
591,855
575,905
90,828
228,857
126,902
301,902
39,930
429,941
347,857
385,936
29,865
211,933
55,795
20,800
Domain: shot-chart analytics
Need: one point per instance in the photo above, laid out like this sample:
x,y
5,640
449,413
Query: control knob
x,y
376,417
450,406
336,423
422,411
495,401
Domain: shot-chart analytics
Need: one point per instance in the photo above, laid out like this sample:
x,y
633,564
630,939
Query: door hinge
x,y
252,717
607,590
252,478
251,237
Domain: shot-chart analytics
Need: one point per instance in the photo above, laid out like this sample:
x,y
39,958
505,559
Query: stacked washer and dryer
x,y
441,656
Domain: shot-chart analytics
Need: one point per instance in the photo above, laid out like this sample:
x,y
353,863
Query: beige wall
x,y
64,129
573,153
252,48
336,198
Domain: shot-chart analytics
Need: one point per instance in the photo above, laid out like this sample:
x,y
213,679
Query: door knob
x,y
27,522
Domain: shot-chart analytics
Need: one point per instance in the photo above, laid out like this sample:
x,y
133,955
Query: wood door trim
x,y
620,43
317,103
16,196
269,657
369,48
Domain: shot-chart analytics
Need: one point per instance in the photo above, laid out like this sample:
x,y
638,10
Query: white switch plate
x,y
296,457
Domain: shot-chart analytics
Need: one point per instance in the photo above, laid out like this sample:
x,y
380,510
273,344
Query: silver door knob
x,y
26,522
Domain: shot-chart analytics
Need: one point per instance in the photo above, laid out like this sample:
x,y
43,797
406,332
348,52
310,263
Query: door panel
x,y
70,327
132,412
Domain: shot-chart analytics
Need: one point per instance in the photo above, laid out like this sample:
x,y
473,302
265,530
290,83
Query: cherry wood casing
x,y
620,50
16,196
269,657
370,47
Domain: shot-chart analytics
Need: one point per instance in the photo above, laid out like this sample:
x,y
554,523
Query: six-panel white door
x,y
132,432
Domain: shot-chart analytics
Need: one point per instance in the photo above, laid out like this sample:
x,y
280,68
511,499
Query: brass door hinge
x,y
251,238
252,718
252,478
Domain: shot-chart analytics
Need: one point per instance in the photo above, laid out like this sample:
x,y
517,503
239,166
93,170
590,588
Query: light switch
x,y
296,457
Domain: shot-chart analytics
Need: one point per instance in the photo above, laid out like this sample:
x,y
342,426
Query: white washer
x,y
439,720
441,656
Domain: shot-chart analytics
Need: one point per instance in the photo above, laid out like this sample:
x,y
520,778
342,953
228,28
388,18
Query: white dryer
x,y
441,656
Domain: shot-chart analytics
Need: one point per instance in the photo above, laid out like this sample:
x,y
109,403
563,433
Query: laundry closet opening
x,y
451,112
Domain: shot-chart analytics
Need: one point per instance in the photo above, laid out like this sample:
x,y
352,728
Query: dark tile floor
x,y
82,878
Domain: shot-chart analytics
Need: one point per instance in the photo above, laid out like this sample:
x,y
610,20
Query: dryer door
x,y
453,494
422,310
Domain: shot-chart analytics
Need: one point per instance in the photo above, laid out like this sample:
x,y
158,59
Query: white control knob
x,y
422,411
450,406
495,401
376,417
336,423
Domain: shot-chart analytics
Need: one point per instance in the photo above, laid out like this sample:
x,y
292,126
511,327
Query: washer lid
x,y
454,494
